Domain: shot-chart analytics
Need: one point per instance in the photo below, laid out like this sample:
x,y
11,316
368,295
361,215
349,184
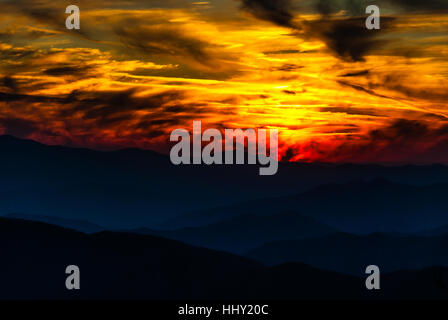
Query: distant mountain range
x,y
79,225
242,233
439,231
121,265
134,188
129,266
308,232
347,253
360,207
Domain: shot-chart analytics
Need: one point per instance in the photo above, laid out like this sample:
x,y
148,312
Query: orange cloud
x,y
135,72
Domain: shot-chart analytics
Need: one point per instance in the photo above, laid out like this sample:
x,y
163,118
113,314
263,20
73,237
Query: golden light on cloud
x,y
132,73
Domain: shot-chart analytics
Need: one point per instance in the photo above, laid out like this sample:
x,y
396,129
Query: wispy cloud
x,y
137,69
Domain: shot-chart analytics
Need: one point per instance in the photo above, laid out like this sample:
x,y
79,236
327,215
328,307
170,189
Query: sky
x,y
138,69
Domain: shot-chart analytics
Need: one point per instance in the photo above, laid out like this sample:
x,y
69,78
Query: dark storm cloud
x,y
403,130
6,35
10,83
162,41
358,7
278,12
398,83
421,6
353,111
193,107
166,109
103,110
341,130
40,10
362,89
347,37
430,94
50,13
12,53
102,105
291,51
172,44
353,7
287,67
401,84
159,124
15,97
356,74
415,141
67,71
385,112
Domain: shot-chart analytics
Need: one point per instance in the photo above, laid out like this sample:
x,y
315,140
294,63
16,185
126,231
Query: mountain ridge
x,y
240,233
129,266
346,253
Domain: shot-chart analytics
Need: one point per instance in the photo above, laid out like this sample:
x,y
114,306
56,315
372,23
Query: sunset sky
x,y
137,69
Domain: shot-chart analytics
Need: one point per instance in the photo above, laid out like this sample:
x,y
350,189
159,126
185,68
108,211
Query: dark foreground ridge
x,y
345,252
129,266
